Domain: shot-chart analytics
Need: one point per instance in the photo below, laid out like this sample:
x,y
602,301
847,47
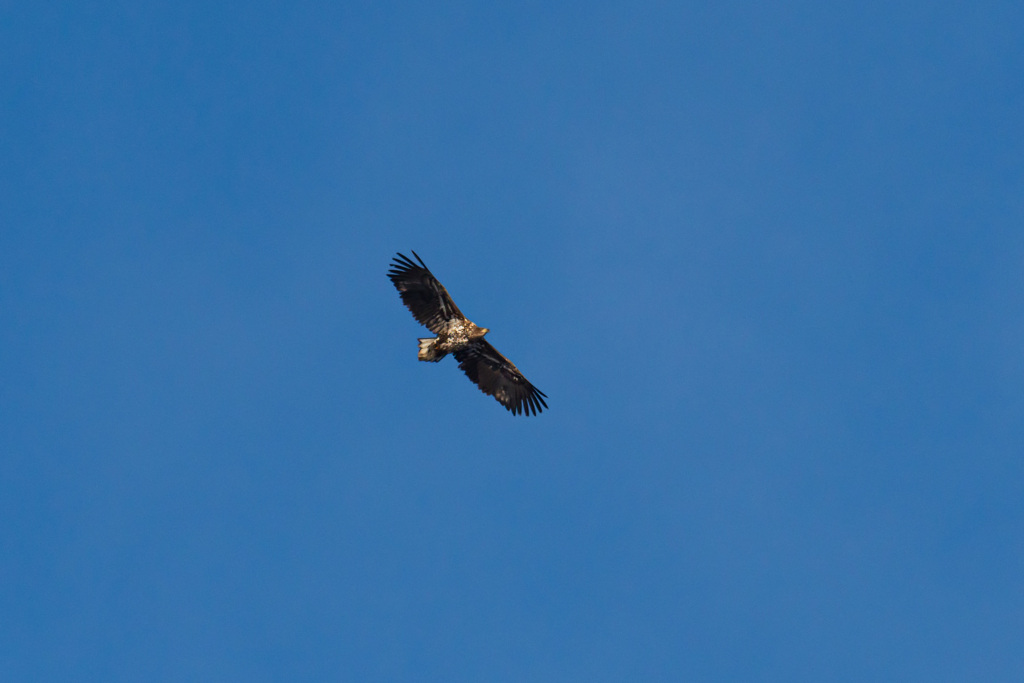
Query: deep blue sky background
x,y
767,262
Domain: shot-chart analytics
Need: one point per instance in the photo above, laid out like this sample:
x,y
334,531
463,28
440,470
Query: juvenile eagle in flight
x,y
433,307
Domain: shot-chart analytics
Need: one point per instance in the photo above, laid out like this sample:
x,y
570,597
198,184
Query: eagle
x,y
433,307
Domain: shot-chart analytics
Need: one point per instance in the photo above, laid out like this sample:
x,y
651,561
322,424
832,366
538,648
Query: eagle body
x,y
455,335
429,302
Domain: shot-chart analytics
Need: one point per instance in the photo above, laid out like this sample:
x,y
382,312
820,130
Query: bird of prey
x,y
433,307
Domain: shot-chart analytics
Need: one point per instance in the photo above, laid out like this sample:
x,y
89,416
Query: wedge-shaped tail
x,y
428,350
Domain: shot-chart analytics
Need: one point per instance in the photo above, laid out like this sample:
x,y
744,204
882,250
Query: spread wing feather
x,y
498,377
422,294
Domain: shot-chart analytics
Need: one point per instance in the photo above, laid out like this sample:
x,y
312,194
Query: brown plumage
x,y
433,307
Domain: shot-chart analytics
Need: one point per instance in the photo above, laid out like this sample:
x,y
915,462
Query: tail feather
x,y
428,351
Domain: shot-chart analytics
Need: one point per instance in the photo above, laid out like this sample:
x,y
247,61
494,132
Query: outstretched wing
x,y
422,293
498,377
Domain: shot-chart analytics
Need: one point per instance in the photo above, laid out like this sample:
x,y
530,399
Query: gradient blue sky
x,y
767,262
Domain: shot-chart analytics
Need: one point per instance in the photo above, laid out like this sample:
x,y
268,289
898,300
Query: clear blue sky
x,y
766,261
